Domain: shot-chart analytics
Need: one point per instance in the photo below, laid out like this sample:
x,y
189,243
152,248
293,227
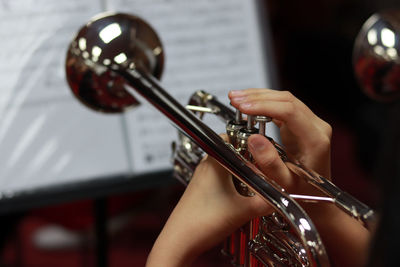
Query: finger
x,y
296,120
259,100
268,160
249,91
249,94
284,107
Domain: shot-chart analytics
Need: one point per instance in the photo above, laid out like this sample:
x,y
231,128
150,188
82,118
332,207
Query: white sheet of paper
x,y
48,138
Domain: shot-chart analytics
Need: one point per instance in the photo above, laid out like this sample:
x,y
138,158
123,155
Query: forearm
x,y
182,239
209,210
345,239
169,251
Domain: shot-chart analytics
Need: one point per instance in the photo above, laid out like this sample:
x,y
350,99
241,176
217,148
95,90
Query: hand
x,y
304,135
210,209
307,138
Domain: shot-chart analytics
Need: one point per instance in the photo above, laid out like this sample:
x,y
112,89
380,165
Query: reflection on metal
x,y
376,56
82,44
112,40
372,37
306,198
388,37
110,32
260,241
96,51
201,109
120,58
287,237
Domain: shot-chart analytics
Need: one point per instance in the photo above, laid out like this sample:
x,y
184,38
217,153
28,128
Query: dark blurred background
x,y
313,42
314,47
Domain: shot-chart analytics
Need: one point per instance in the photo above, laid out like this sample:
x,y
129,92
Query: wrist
x,y
167,252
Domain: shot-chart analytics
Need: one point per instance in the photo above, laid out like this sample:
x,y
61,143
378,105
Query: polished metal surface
x,y
343,200
265,241
106,43
104,69
376,56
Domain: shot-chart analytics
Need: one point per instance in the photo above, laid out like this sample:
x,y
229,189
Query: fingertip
x,y
235,93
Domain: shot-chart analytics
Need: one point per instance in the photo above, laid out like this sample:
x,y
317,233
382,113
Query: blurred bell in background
x,y
377,68
342,59
322,58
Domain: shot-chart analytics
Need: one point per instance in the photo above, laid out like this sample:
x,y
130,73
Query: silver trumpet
x,y
114,56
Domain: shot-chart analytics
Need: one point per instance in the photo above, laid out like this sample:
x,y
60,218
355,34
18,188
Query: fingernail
x,y
257,144
245,105
235,93
238,98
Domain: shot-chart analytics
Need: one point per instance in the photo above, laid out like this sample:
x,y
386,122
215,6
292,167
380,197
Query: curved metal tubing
x,y
343,200
115,55
228,157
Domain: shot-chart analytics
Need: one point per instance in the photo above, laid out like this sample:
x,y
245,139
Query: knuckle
x,y
322,144
325,141
290,109
328,130
288,96
325,129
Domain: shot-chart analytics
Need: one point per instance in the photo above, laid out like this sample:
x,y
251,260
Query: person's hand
x,y
306,137
211,209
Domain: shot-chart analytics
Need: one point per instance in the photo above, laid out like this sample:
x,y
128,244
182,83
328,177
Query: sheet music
x,y
48,138
210,45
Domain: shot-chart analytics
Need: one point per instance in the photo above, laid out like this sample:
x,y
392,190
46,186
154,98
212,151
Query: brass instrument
x,y
117,55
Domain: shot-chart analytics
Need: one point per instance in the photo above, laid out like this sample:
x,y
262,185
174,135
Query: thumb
x,y
268,161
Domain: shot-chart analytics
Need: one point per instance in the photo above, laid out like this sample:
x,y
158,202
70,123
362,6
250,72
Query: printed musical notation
x,y
210,45
46,136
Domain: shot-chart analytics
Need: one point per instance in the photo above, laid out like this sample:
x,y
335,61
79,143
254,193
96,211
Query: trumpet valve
x,y
238,116
233,127
262,121
250,122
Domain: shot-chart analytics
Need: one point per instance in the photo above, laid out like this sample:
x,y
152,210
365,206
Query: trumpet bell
x,y
115,53
107,43
376,56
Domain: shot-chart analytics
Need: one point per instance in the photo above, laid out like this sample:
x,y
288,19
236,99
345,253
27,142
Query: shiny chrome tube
x,y
343,200
227,156
115,56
